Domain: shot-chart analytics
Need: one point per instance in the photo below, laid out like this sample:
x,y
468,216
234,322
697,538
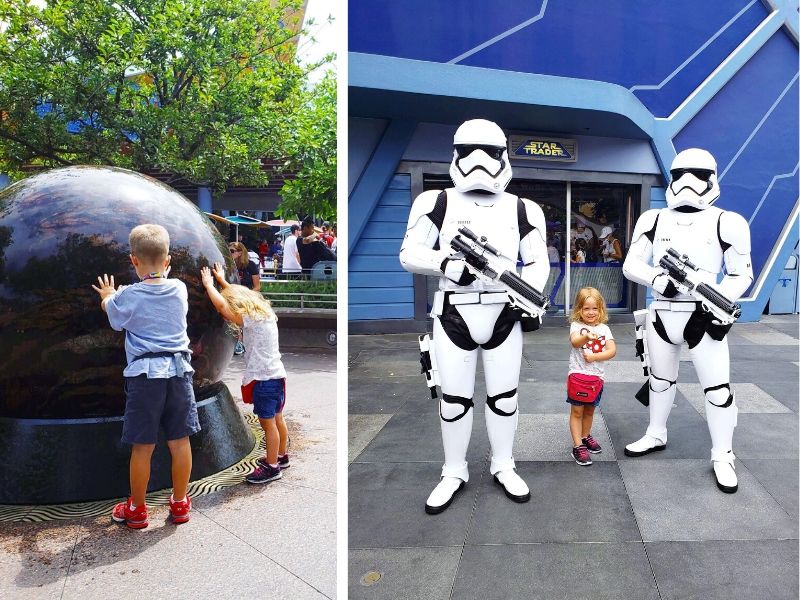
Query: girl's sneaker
x,y
179,511
581,456
135,519
264,474
591,445
283,461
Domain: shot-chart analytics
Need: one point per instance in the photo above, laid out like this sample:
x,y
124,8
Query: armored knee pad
x,y
659,385
453,408
719,395
504,404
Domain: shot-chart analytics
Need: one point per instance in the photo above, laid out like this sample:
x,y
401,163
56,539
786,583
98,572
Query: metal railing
x,y
301,300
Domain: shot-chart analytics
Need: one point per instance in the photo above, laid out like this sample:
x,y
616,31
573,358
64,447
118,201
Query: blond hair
x,y
244,258
149,243
580,299
243,301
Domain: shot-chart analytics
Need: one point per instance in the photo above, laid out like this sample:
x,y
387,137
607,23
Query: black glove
x,y
527,322
664,286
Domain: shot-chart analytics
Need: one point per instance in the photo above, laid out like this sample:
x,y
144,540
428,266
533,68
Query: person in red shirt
x,y
326,234
263,250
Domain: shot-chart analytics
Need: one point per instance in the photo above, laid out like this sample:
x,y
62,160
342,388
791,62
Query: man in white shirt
x,y
291,257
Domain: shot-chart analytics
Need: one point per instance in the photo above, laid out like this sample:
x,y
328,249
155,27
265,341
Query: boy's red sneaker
x,y
179,511
135,519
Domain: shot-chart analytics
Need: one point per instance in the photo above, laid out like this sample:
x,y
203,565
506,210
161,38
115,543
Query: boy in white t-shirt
x,y
592,345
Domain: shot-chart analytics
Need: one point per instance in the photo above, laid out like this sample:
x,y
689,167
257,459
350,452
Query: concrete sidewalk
x,y
272,541
653,527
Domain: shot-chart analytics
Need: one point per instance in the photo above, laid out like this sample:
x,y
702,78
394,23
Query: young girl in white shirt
x,y
592,345
264,378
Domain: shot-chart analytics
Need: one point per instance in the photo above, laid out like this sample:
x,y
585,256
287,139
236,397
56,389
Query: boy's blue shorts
x,y
269,397
595,403
154,403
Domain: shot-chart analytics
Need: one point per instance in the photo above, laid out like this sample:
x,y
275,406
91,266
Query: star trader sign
x,y
542,148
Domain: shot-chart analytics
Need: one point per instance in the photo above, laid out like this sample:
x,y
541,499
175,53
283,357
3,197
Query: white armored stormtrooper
x,y
709,237
472,316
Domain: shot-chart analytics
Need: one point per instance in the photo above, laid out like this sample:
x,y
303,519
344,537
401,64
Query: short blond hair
x,y
149,243
244,301
580,299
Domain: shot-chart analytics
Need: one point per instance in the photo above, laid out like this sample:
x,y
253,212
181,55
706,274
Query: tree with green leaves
x,y
311,148
197,88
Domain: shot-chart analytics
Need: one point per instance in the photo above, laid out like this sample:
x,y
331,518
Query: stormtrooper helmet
x,y
693,180
480,157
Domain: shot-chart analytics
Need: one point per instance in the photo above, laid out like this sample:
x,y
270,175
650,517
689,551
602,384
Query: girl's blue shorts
x,y
595,403
269,397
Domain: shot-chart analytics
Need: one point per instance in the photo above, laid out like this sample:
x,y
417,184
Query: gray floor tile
x,y
555,571
374,396
139,564
418,438
546,370
766,436
766,336
621,397
780,477
547,349
383,365
714,570
624,371
35,558
569,503
413,476
418,573
762,371
421,403
542,397
395,517
678,500
687,432
361,430
547,437
749,398
784,392
287,515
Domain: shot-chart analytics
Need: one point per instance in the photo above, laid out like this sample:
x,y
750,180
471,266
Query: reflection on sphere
x,y
59,230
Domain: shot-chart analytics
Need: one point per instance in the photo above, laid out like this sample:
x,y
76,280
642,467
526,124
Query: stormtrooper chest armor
x,y
694,234
493,216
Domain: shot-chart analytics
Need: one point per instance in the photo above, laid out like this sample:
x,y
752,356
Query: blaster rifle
x,y
483,261
680,269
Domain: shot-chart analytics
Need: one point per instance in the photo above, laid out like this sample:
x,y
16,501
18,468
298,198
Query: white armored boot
x,y
655,438
721,422
443,494
455,439
501,430
513,485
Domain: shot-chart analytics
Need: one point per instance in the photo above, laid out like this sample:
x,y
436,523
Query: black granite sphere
x,y
59,230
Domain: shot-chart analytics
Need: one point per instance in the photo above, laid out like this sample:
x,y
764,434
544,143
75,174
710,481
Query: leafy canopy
x,y
199,88
311,146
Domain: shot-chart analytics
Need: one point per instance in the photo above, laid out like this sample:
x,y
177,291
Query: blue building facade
x,y
614,88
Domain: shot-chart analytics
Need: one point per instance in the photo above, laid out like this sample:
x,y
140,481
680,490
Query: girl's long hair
x,y
244,258
244,301
580,299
